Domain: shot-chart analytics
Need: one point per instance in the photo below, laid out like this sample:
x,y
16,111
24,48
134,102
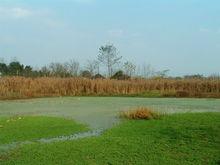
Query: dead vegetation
x,y
140,113
20,87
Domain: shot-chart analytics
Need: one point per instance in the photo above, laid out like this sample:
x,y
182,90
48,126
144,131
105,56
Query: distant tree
x,y
129,68
72,67
58,69
98,76
214,76
108,55
176,78
15,68
92,66
44,71
28,71
86,74
162,74
195,76
3,69
148,71
36,73
120,76
2,60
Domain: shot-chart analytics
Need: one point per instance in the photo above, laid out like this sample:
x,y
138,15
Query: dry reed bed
x,y
20,87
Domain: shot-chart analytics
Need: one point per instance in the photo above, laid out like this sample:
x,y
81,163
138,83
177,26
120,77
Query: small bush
x,y
86,74
98,76
120,76
141,113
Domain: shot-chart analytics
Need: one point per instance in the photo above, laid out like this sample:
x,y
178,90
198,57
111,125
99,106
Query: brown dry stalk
x,y
142,113
20,87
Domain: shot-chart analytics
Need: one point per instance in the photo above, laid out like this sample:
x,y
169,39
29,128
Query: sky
x,y
180,35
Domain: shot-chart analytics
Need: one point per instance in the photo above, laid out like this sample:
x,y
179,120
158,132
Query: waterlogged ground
x,y
31,129
178,139
19,131
101,112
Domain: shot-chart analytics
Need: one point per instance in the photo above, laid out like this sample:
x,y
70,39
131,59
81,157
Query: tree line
x,y
108,64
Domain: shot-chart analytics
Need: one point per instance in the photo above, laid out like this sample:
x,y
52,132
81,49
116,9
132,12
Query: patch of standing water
x,y
76,136
92,133
6,147
101,112
97,112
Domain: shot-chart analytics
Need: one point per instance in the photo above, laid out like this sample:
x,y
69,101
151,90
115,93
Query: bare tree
x,y
129,68
162,73
45,71
2,60
108,55
58,69
73,67
214,76
97,69
92,66
148,71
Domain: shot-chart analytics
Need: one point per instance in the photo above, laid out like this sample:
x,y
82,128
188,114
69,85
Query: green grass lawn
x,y
18,129
175,139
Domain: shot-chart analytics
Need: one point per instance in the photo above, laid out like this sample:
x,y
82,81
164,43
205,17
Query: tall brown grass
x,y
140,113
20,87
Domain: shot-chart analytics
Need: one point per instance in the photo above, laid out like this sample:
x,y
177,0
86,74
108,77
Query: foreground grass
x,y
18,129
176,139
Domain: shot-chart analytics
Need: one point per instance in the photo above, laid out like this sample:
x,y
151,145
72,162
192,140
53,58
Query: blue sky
x,y
180,35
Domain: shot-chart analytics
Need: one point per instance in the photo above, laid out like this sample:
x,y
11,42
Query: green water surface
x,y
101,112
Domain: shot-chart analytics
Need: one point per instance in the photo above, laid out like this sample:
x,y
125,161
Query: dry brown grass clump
x,y
140,113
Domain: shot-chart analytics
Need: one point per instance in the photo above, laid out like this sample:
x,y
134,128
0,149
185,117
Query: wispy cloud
x,y
204,30
120,33
40,17
136,34
53,23
14,12
116,33
208,30
84,1
4,39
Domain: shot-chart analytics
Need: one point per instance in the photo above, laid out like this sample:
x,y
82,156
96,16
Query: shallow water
x,y
99,113
6,147
76,136
102,112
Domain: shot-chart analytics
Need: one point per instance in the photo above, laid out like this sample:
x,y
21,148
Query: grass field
x,y
176,138
18,129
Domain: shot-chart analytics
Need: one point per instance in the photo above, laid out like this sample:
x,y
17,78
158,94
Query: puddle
x,y
92,133
72,137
